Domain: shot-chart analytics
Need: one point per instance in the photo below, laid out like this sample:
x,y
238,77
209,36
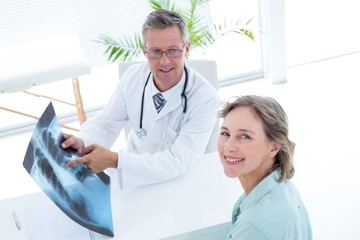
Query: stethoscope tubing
x,y
143,97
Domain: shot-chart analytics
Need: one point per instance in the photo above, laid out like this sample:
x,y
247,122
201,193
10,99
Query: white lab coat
x,y
174,142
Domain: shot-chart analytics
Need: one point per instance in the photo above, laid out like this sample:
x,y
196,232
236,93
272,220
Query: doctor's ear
x,y
187,49
143,49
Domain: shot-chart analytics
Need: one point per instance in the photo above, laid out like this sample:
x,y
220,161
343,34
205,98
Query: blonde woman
x,y
254,147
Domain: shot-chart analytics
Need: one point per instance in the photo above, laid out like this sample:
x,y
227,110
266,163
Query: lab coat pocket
x,y
175,123
171,135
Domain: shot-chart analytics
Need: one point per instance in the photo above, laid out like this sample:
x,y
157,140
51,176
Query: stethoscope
x,y
141,134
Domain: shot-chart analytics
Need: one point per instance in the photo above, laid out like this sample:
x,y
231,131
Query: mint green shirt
x,y
271,211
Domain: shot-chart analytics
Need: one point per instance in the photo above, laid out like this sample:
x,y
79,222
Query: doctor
x,y
169,132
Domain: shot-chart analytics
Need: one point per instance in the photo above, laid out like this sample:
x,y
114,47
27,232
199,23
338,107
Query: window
x,y
321,29
236,55
32,19
25,20
22,21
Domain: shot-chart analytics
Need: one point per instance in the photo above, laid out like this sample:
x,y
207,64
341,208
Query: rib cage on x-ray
x,y
79,193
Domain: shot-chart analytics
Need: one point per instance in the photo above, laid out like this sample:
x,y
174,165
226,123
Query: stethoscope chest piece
x,y
141,134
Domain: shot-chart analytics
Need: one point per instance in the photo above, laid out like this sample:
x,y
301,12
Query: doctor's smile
x,y
166,70
167,73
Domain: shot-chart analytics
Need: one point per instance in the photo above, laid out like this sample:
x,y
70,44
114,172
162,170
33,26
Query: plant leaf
x,y
202,32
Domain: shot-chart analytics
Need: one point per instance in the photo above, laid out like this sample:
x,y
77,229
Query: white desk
x,y
190,207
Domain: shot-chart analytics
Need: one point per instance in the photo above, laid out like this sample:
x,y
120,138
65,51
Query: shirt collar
x,y
260,190
170,92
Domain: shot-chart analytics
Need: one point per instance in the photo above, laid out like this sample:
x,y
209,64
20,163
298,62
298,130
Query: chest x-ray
x,y
81,194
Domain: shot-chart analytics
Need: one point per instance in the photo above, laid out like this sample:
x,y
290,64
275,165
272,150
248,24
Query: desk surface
x,y
201,199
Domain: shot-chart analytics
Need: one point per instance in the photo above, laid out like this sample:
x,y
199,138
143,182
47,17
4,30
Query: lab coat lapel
x,y
172,103
176,100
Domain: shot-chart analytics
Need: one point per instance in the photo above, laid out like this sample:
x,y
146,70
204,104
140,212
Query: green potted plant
x,y
202,32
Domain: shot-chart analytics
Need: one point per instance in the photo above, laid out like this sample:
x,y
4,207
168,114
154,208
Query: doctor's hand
x,y
96,158
73,142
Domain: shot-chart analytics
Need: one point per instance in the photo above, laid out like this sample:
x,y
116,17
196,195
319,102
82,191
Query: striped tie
x,y
159,101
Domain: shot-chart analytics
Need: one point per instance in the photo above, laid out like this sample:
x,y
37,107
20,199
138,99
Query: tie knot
x,y
159,101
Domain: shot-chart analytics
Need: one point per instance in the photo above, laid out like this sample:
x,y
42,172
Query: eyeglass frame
x,y
166,52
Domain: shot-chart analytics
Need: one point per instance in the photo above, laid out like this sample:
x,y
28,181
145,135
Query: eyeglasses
x,y
170,53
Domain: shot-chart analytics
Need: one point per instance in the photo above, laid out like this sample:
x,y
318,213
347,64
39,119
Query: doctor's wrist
x,y
114,160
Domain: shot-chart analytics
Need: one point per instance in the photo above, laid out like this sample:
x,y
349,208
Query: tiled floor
x,y
321,100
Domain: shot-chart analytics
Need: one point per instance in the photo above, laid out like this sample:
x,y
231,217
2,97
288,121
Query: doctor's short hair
x,y
275,123
163,18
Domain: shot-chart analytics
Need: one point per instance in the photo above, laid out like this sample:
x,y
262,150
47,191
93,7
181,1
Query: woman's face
x,y
243,147
167,71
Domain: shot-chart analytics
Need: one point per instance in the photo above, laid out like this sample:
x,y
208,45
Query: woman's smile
x,y
233,160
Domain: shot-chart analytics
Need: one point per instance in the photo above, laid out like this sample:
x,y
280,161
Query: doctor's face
x,y
167,69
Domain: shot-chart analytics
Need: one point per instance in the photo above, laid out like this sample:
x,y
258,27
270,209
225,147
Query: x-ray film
x,y
81,194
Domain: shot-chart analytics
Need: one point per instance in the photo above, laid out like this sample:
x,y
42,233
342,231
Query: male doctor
x,y
171,108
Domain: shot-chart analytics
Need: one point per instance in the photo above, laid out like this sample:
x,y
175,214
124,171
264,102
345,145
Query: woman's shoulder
x,y
277,212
